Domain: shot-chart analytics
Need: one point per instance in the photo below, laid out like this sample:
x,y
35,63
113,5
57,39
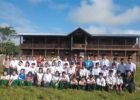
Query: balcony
x,y
79,47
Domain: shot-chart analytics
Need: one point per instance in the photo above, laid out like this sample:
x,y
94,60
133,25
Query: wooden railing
x,y
78,46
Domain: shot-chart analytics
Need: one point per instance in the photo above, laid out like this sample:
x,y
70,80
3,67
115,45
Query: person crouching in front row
x,y
64,81
91,83
100,82
74,82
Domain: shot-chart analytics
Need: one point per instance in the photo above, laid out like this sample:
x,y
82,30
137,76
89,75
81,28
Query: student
x,y
33,69
131,66
20,66
121,67
96,60
96,70
39,76
100,82
84,72
88,63
113,68
14,79
82,83
119,81
129,82
91,83
104,71
4,79
6,64
27,67
59,67
13,64
55,80
74,82
71,70
110,81
47,77
65,68
29,79
64,81
21,77
104,61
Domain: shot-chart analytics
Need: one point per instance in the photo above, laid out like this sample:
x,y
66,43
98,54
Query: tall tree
x,y
5,34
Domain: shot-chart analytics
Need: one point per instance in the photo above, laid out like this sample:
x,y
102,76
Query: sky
x,y
63,16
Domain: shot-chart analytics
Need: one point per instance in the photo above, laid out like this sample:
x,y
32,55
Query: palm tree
x,y
5,33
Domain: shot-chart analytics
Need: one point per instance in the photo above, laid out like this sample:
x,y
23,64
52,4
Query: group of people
x,y
78,73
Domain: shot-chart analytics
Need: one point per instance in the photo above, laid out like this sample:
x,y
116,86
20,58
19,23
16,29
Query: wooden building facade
x,y
80,42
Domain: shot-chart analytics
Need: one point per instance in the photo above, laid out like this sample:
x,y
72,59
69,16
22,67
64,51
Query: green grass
x,y
40,93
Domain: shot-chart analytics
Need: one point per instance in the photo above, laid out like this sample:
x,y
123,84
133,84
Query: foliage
x,y
10,48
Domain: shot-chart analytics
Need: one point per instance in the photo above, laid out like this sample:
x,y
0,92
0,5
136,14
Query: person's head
x,y
100,75
7,57
22,71
80,58
20,63
54,63
33,65
47,64
71,64
57,73
88,57
97,65
14,73
95,57
83,78
14,58
40,70
63,73
5,73
78,64
118,73
33,58
66,65
104,56
114,59
48,71
113,65
129,60
122,60
104,67
20,58
110,72
91,77
27,64
65,59
128,73
29,74
59,63
83,66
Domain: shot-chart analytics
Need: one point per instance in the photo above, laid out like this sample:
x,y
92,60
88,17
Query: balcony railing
x,y
79,46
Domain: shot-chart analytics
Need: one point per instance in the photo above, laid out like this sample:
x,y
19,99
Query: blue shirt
x,y
22,76
88,64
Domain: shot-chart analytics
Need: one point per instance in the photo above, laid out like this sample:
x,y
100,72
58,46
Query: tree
x,y
10,48
5,34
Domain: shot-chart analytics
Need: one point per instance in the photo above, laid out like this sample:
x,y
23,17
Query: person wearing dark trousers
x,y
129,82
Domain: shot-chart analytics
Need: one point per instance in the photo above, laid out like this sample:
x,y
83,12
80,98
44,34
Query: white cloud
x,y
16,18
104,12
104,30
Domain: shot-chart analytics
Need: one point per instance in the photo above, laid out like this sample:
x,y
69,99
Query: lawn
x,y
40,93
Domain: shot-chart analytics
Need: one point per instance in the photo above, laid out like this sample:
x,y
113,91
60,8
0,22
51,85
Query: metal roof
x,y
67,34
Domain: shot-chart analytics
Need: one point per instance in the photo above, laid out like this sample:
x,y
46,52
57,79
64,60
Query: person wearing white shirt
x,y
113,68
100,82
4,79
119,81
96,60
47,77
13,64
13,79
33,69
96,70
130,66
39,76
104,70
84,72
34,61
91,83
55,80
71,70
74,82
64,81
66,61
59,67
104,61
20,66
110,80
